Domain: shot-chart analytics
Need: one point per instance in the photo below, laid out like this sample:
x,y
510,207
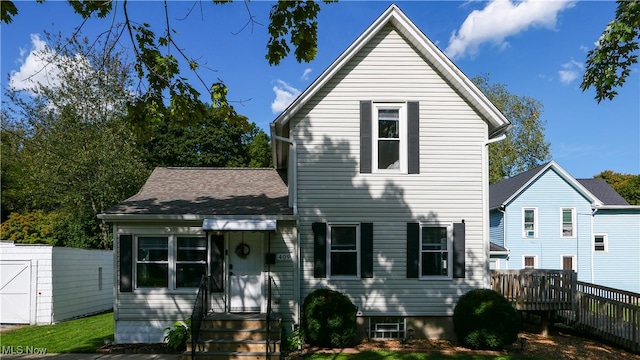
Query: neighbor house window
x,y
152,262
390,137
530,262
568,222
344,246
435,250
191,261
529,222
600,242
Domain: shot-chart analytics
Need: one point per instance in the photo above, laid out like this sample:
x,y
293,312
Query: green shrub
x,y
328,319
484,319
177,336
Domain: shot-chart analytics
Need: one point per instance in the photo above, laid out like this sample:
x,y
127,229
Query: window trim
x,y
535,223
573,222
535,260
358,250
403,137
449,227
605,242
172,241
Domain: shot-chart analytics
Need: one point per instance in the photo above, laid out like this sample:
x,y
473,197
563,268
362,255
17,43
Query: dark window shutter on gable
x,y
126,263
366,247
216,266
458,250
365,137
319,250
413,250
413,127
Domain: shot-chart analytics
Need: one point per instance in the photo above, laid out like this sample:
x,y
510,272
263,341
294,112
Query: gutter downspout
x,y
293,183
593,213
485,207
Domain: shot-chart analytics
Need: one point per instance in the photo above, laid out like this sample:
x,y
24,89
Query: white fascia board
x,y
188,217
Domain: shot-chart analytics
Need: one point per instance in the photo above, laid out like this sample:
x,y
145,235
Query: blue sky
x,y
536,48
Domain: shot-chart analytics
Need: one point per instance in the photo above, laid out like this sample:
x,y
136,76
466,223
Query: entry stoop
x,y
237,336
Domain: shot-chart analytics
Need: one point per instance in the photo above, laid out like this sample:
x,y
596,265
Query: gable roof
x,y
498,124
604,191
502,193
196,192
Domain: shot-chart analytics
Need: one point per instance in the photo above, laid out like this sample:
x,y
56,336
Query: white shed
x,y
42,284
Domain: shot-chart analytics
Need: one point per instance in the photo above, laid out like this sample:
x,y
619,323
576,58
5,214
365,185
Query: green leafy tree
x,y
162,88
627,185
77,154
525,146
609,64
219,139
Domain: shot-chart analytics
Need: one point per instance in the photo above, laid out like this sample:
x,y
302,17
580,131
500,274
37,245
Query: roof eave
x,y
188,217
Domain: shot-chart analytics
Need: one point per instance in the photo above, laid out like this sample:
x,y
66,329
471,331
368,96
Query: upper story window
x,y
600,242
568,222
344,246
530,222
435,250
390,137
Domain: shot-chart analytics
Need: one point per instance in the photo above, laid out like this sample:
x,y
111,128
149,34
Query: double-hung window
x,y
390,137
344,246
568,222
529,222
435,250
152,262
191,261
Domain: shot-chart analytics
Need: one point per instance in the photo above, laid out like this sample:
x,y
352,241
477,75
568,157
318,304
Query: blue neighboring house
x,y
546,219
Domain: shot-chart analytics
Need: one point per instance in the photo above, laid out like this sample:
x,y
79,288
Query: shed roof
x,y
209,191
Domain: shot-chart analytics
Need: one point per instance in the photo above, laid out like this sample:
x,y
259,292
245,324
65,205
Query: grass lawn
x,y
83,335
395,355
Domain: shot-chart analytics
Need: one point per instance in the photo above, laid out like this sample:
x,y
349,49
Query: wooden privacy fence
x,y
610,314
536,290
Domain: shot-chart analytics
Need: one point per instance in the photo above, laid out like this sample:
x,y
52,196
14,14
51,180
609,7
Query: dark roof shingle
x,y
209,191
603,191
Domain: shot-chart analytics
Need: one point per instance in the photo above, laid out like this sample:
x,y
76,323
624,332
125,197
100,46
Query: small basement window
x,y
387,328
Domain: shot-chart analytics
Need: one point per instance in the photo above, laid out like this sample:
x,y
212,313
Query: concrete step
x,y
254,346
238,334
222,355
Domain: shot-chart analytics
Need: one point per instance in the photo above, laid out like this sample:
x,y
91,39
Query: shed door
x,y
15,291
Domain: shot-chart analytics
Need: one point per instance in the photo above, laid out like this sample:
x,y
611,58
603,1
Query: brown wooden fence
x,y
610,314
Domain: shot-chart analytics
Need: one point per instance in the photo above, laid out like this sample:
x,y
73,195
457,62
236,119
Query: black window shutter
x,y
216,267
413,250
366,247
413,122
458,250
319,250
126,263
365,137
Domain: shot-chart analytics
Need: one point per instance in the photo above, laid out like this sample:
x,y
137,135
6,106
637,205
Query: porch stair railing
x,y
200,311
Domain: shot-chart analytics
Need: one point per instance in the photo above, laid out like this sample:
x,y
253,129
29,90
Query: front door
x,y
246,263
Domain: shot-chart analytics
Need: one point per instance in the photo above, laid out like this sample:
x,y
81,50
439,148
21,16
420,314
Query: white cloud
x,y
570,71
285,94
501,19
34,68
305,75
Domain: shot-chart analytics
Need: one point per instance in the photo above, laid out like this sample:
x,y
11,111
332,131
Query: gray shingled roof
x,y
496,247
603,191
500,192
209,191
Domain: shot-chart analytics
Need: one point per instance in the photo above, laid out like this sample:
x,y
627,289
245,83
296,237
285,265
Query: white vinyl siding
x,y
447,189
142,314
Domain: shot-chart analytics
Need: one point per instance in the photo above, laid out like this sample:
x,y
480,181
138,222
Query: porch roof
x,y
207,192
